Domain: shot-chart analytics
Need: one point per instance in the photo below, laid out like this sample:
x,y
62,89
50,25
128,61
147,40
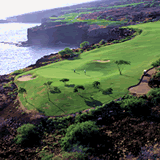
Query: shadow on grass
x,y
69,85
91,102
76,73
53,91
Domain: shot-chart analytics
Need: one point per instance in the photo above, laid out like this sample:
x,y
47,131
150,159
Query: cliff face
x,y
72,34
69,34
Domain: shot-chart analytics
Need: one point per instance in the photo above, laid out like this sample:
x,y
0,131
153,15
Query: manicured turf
x,y
141,51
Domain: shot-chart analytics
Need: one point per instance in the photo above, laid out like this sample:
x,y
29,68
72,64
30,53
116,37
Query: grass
x,y
141,49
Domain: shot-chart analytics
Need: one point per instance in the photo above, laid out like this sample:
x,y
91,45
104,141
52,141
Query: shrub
x,y
81,133
26,135
155,95
62,52
68,51
88,49
102,42
138,107
33,76
84,44
93,47
18,72
157,75
81,50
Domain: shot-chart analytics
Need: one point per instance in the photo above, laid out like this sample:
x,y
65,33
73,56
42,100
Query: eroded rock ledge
x,y
74,34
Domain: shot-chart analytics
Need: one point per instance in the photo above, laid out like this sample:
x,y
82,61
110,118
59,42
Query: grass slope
x,y
141,51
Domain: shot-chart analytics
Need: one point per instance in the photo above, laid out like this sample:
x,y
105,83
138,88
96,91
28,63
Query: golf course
x,y
140,51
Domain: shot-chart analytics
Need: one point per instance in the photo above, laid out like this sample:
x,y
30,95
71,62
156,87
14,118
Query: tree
x,y
96,83
22,90
68,51
64,80
120,62
48,84
84,44
156,63
78,86
26,134
62,53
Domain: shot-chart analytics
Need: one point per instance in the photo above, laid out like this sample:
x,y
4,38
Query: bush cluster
x,y
66,51
83,133
137,106
155,95
27,135
102,42
84,44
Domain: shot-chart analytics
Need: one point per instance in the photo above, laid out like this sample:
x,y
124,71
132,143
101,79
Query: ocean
x,y
14,58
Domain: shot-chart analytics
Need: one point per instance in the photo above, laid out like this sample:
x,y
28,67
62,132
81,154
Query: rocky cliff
x,y
50,35
72,34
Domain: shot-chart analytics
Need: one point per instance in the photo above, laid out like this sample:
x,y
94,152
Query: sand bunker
x,y
102,61
25,78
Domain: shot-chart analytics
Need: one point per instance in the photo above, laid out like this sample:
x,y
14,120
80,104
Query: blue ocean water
x,y
14,58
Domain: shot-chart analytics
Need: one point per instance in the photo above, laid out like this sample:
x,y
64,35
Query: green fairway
x,y
141,51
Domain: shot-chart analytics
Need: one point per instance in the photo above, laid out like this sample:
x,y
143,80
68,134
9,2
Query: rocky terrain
x,y
51,33
132,15
75,34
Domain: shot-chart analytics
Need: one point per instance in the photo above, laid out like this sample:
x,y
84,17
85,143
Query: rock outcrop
x,y
73,34
6,99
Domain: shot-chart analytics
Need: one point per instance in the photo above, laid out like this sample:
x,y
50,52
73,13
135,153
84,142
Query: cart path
x,y
142,87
